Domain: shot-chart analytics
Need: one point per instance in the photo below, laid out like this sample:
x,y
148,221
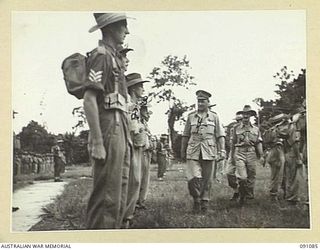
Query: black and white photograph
x,y
128,120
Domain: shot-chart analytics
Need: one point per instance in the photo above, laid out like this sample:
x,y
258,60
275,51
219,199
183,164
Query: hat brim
x,y
274,120
136,81
125,51
251,112
100,26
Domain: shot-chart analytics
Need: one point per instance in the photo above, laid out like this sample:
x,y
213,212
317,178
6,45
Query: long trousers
x,y
134,183
293,177
161,165
145,176
108,199
276,160
246,161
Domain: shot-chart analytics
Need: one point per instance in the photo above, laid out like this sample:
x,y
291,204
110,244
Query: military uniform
x,y
202,130
24,163
135,127
58,163
29,163
245,139
145,165
231,168
275,157
293,168
162,151
107,202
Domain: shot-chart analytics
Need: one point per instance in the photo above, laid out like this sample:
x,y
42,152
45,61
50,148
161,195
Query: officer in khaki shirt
x,y
246,149
202,135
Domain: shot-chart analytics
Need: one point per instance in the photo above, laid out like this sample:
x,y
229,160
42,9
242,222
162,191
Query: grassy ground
x,y
169,206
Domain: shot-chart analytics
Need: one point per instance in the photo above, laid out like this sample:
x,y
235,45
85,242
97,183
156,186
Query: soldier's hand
x,y
98,152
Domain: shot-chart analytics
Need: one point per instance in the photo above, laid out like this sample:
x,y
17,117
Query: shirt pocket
x,y
240,136
211,127
194,127
211,147
253,136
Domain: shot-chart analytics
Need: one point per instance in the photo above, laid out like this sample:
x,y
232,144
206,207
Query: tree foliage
x,y
79,113
75,147
173,72
291,94
35,138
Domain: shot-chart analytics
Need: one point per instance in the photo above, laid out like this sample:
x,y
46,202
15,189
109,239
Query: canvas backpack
x,y
74,70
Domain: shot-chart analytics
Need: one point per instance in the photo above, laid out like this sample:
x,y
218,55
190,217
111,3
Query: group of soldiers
x,y
281,146
120,142
29,162
25,163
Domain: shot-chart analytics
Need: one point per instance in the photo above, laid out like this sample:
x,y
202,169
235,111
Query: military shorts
x,y
195,168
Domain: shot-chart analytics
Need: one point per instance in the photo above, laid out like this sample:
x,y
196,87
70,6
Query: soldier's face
x,y
203,104
125,62
139,90
120,32
145,115
246,118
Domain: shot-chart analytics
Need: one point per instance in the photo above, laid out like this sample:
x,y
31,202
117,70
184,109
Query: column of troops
x,y
285,152
29,162
26,163
120,142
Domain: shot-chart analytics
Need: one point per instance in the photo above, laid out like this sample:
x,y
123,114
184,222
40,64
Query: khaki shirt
x,y
146,136
246,135
136,127
101,71
203,134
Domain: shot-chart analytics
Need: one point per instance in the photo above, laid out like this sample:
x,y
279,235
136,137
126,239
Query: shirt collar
x,y
197,115
103,43
243,125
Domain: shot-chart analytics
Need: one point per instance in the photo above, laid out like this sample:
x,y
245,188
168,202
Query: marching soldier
x,y
136,128
105,105
202,135
231,168
246,149
58,159
275,158
24,163
162,151
34,163
293,169
146,157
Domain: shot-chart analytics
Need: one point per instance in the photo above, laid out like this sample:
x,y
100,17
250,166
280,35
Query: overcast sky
x,y
233,55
